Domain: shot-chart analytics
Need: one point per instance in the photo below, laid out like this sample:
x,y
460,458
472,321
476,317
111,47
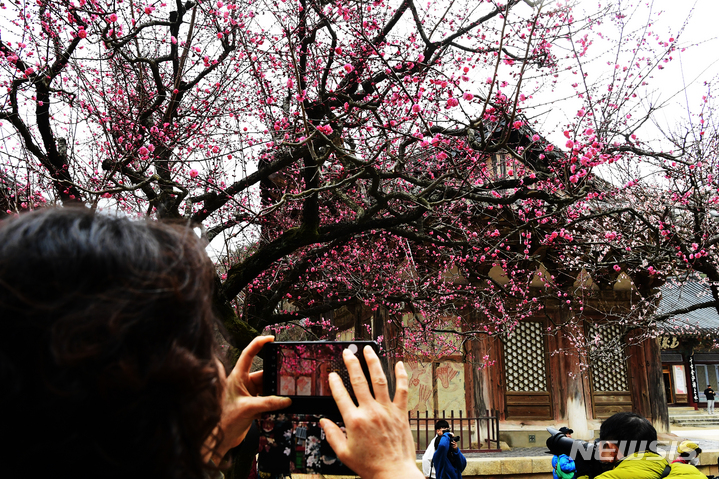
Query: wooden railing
x,y
475,432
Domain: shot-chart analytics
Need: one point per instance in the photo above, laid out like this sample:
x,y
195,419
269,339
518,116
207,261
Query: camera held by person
x,y
583,453
626,449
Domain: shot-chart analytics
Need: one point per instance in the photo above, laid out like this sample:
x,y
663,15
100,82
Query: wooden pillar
x,y
496,376
360,329
658,408
637,374
479,377
647,382
568,383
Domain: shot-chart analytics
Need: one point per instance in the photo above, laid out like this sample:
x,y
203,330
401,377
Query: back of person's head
x,y
107,347
632,432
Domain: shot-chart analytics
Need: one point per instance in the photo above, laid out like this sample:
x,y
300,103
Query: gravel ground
x,y
707,438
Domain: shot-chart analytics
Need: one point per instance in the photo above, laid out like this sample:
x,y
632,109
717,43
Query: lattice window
x,y
524,358
606,352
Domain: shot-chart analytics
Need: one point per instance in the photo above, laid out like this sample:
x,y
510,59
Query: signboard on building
x,y
680,382
693,378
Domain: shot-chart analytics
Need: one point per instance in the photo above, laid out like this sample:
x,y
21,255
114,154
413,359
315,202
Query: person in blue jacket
x,y
448,460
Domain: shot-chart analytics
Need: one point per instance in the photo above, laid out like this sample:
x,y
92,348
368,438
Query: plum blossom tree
x,y
661,223
380,153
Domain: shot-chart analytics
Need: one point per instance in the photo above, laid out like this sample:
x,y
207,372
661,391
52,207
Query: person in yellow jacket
x,y
629,441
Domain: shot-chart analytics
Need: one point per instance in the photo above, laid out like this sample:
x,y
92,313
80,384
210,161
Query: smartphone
x,y
300,370
291,440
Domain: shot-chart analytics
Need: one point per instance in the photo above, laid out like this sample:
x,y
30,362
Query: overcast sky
x,y
699,62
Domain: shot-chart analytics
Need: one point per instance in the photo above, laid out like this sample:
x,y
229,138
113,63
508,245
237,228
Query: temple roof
x,y
678,296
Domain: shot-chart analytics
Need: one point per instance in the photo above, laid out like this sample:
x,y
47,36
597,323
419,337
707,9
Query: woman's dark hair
x,y
107,346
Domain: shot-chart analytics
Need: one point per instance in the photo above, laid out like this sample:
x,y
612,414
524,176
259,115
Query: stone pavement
x,y
535,462
706,445
515,452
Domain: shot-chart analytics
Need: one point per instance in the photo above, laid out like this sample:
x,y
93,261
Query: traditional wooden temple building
x,y
536,376
556,367
13,198
553,368
690,360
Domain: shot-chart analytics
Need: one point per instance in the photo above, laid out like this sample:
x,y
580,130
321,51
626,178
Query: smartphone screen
x,y
300,370
304,369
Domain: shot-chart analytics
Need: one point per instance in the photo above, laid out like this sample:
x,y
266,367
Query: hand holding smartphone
x,y
378,443
374,440
291,439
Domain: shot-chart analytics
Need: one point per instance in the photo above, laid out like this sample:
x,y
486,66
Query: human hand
x,y
379,443
452,443
241,401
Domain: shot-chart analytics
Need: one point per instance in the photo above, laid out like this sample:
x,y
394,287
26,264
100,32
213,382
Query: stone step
x,y
692,416
696,419
696,423
683,411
